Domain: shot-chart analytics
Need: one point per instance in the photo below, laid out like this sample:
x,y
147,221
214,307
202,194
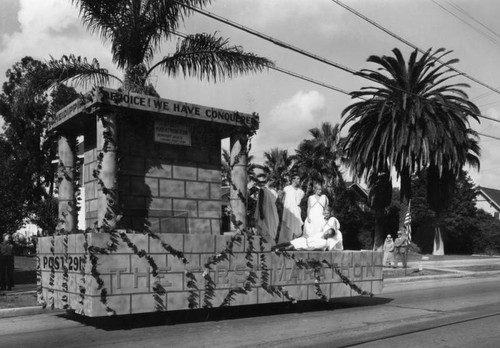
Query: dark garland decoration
x,y
112,210
274,290
347,281
93,252
65,275
52,274
316,265
223,255
158,289
83,280
193,290
251,278
39,288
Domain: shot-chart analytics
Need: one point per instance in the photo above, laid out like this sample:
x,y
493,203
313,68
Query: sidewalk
x,y
428,267
22,298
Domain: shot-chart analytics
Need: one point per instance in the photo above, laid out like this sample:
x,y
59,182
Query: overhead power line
x,y
291,73
410,44
489,136
306,53
268,38
492,34
466,22
305,78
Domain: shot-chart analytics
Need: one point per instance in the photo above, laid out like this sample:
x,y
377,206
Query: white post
x,y
238,191
66,195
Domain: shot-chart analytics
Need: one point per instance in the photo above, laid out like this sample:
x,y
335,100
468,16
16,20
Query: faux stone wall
x,y
67,280
164,188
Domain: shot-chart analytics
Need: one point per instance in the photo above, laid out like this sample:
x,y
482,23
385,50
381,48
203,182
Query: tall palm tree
x,y
413,119
319,159
136,29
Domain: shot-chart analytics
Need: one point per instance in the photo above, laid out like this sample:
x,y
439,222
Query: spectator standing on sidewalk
x,y
7,263
401,248
388,251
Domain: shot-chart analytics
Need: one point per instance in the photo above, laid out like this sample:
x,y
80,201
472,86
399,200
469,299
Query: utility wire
x,y
409,44
291,73
305,78
268,38
461,10
489,136
487,36
303,52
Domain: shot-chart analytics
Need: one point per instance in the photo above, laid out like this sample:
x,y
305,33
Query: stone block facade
x,y
163,188
70,279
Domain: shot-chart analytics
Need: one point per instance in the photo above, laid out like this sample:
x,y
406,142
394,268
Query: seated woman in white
x,y
330,237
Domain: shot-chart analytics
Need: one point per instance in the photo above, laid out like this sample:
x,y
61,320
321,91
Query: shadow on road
x,y
134,321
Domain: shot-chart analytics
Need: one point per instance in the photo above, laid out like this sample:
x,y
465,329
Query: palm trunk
x,y
378,233
438,242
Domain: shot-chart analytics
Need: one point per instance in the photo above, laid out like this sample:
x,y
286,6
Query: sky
x,y
288,107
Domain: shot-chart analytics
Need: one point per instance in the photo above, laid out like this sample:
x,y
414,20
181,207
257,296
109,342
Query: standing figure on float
x,y
291,222
316,204
266,213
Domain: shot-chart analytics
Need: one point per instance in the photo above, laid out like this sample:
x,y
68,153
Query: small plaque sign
x,y
172,133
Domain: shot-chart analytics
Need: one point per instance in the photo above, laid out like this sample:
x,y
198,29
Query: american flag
x,y
407,222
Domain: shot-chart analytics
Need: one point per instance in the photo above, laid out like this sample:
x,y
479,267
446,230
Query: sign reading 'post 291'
x,y
143,102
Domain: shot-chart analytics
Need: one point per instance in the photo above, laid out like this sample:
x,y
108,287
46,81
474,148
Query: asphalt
x,y
447,268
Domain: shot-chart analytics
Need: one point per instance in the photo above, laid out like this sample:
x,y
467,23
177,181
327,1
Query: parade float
x,y
153,242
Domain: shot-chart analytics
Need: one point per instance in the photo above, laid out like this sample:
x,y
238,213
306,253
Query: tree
x,y
136,30
27,148
441,185
318,159
379,198
277,167
414,119
458,219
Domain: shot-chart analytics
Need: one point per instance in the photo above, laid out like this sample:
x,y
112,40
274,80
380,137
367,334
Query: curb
x,y
23,311
441,276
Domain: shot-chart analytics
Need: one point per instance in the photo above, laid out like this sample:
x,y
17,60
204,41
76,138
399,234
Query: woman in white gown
x,y
316,204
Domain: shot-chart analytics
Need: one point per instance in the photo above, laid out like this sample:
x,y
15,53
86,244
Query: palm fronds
x,y
208,57
72,69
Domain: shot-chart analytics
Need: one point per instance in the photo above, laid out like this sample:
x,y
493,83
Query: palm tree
x,y
318,158
136,29
277,167
414,119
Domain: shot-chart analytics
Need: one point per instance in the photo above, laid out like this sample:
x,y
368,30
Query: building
x,y
488,199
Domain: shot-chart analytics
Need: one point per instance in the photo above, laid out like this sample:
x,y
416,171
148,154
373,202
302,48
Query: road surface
x,y
440,313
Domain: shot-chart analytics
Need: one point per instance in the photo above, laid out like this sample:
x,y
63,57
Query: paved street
x,y
405,311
